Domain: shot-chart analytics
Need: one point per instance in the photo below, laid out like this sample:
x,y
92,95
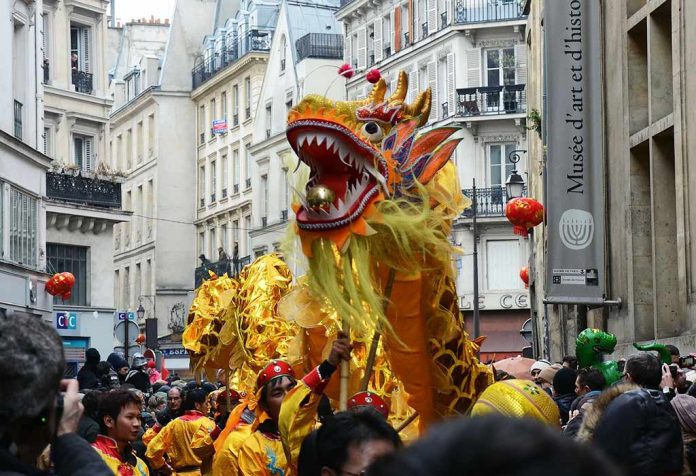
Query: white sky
x,y
127,10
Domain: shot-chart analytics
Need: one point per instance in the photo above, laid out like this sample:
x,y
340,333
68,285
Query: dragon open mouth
x,y
345,173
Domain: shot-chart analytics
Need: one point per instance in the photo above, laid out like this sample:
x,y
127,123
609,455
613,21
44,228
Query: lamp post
x,y
514,186
150,322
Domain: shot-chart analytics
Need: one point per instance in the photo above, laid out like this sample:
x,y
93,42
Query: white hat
x,y
540,365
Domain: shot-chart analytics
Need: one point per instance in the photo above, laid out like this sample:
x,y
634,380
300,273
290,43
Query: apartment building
x,y
472,55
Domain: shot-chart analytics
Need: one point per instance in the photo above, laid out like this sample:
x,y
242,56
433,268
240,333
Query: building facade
x,y
152,143
647,57
227,82
472,55
306,51
83,194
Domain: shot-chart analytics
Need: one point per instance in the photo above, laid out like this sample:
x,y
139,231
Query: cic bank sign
x,y
497,301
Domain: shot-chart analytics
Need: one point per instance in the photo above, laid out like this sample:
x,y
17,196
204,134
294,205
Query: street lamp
x,y
514,186
140,312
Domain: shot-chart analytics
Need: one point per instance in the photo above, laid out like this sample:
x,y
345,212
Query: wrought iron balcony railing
x,y
479,11
83,190
320,45
490,202
231,267
46,71
82,81
248,183
283,215
490,100
233,49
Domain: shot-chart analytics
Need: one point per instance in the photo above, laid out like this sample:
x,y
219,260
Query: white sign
x,y
497,301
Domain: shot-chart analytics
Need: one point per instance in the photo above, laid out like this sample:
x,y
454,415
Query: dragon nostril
x,y
371,127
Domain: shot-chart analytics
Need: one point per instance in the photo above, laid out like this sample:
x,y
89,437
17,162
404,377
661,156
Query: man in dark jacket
x,y
564,391
588,385
137,376
119,365
639,429
87,376
38,408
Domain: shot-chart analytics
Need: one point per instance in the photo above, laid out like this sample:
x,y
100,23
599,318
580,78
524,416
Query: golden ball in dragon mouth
x,y
320,197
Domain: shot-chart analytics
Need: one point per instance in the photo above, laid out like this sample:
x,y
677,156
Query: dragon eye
x,y
372,131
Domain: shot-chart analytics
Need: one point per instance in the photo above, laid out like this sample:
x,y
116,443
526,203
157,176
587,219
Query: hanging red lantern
x,y
140,340
524,276
61,284
373,76
524,213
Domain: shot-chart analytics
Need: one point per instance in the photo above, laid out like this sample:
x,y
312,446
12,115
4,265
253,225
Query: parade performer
x,y
373,222
119,419
171,450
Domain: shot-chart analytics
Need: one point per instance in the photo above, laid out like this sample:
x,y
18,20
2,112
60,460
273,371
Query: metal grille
x,y
74,260
23,228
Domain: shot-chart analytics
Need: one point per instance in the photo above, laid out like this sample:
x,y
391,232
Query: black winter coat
x,y
87,378
564,402
640,431
139,380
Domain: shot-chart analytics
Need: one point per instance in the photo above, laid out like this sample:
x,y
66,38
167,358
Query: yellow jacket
x,y
225,461
262,455
175,439
131,465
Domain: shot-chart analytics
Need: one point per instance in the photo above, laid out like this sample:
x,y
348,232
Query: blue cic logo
x,y
66,320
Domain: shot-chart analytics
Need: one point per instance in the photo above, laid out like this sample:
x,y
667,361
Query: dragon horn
x,y
401,89
376,96
420,108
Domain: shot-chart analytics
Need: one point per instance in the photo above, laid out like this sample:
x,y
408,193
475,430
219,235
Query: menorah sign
x,y
576,229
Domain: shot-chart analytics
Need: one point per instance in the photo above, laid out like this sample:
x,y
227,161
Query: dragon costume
x,y
592,345
373,221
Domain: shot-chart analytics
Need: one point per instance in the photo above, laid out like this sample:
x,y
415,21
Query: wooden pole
x,y
376,337
407,422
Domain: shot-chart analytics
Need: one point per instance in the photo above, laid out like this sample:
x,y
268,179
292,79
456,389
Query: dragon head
x,y
359,153
592,344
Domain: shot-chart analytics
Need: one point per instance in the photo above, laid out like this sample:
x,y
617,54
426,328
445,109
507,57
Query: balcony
x,y
231,267
83,190
283,215
46,71
490,202
480,11
491,100
82,81
18,119
233,49
320,45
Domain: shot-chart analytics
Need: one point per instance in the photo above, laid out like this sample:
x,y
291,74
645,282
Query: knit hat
x,y
685,407
92,356
116,361
564,381
549,373
540,365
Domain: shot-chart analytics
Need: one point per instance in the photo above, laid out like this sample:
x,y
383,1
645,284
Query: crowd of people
x,y
126,420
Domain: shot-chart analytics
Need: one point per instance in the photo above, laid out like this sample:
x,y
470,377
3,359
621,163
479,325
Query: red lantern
x,y
373,76
346,71
524,213
140,340
61,284
524,276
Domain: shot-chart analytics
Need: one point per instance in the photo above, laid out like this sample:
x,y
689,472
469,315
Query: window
x,y
138,214
141,142
147,285
247,228
387,34
74,260
370,45
269,114
223,105
288,105
127,225
223,236
502,257
201,186
235,234
213,183
80,58
202,126
138,285
499,167
151,135
283,53
247,97
235,105
236,170
23,228
264,200
48,141
423,78
129,149
82,152
201,243
149,206
213,116
500,67
119,152
224,173
247,165
284,196
117,289
213,243
126,288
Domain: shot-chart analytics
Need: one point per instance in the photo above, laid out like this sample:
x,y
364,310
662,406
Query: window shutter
x,y
451,84
362,48
397,29
79,150
88,160
449,6
347,50
436,110
85,49
412,86
473,68
45,142
379,48
414,27
521,63
432,16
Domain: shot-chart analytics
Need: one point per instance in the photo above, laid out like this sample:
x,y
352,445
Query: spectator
x,y
172,411
108,378
536,369
119,418
570,361
685,408
37,408
222,256
87,376
674,353
137,376
119,365
350,441
564,391
457,447
89,423
152,372
588,386
545,379
636,426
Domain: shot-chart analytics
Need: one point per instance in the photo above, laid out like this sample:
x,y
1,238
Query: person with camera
x,y
37,407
